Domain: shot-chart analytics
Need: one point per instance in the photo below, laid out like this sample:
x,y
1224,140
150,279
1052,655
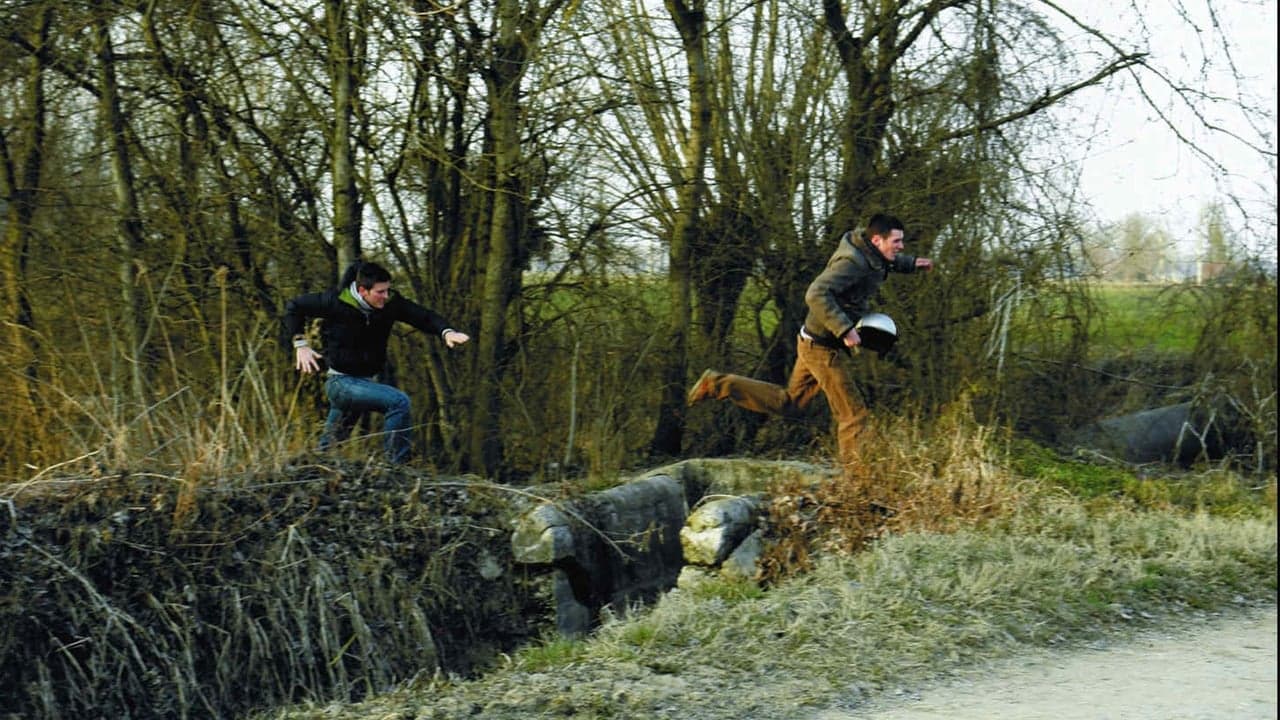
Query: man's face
x,y
377,295
888,245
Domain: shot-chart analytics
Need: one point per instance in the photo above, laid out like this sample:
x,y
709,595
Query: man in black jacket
x,y
357,319
837,298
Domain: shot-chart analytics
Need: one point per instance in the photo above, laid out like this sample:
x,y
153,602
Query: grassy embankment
x,y
1056,566
1001,545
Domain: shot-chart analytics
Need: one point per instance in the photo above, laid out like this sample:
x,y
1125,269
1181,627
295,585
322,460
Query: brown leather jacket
x,y
842,292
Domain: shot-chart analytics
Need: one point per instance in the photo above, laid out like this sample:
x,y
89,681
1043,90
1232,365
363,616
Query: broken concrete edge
x,y
624,544
721,510
555,530
545,534
715,528
744,562
542,536
737,476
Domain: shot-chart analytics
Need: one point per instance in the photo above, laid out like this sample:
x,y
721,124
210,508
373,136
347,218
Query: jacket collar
x,y
858,238
352,298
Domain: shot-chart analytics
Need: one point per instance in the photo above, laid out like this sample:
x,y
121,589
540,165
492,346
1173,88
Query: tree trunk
x,y
870,104
518,27
129,219
22,168
691,21
500,275
342,75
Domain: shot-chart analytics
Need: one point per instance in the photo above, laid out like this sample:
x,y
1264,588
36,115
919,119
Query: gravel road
x,y
1218,669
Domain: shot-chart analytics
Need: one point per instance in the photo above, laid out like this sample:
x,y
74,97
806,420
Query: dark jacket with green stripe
x,y
355,340
842,292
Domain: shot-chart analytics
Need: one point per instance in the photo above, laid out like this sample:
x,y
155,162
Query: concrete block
x,y
714,529
542,537
744,562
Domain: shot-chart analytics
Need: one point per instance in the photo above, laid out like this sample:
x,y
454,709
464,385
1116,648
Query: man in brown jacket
x,y
837,298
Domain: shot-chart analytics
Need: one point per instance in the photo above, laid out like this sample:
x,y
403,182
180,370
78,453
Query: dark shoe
x,y
881,509
701,390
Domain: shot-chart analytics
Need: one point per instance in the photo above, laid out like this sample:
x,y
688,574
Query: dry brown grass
x,y
938,476
142,595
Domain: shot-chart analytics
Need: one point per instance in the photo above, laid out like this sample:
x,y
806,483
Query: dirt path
x,y
1224,669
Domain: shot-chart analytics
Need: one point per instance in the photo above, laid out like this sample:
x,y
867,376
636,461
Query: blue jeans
x,y
350,397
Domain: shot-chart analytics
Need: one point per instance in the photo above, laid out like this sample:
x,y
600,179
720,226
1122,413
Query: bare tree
x,y
344,65
1146,249
22,159
517,29
725,144
129,233
691,22
1214,256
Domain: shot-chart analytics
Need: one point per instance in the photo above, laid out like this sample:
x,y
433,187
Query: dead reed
x,y
149,597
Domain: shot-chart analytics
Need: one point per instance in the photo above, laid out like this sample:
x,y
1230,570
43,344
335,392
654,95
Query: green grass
x,y
1122,319
1086,480
551,653
1163,318
1215,491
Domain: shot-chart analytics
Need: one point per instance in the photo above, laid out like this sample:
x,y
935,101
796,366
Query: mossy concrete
x,y
623,545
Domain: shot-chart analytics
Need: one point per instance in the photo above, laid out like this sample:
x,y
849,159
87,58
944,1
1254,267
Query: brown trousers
x,y
817,368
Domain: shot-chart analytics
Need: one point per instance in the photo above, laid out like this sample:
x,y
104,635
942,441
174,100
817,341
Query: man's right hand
x,y
306,359
851,338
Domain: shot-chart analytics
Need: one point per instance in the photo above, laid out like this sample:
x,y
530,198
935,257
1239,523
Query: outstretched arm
x,y
427,320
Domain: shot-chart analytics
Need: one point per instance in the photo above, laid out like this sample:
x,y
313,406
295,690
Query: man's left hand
x,y
924,264
453,338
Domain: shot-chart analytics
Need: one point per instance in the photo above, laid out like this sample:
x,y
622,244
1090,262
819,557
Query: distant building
x,y
1207,270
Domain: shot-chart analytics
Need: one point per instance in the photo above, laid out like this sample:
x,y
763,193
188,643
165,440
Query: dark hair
x,y
371,274
364,274
881,224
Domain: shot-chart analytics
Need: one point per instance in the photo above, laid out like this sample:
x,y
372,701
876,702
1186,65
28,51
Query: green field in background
x,y
1132,317
1129,317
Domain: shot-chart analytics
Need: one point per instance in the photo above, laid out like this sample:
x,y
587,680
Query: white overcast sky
x,y
1137,165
